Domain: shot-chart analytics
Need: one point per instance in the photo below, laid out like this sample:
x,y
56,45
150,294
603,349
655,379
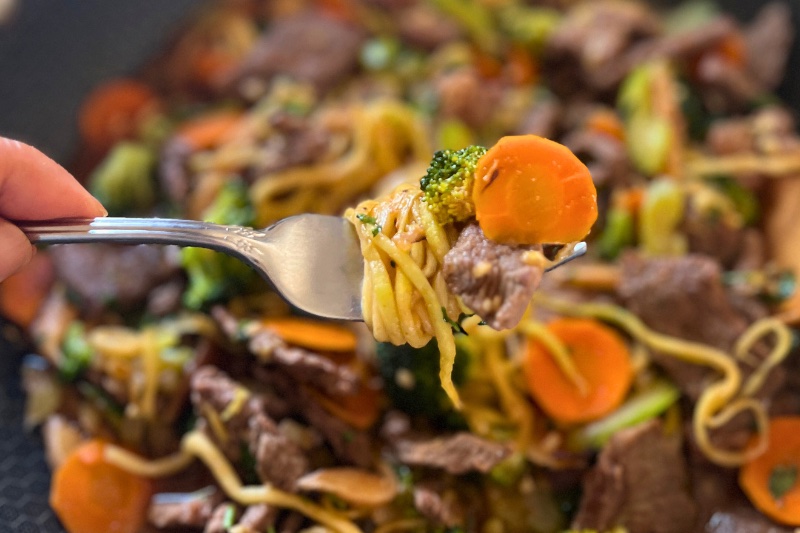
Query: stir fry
x,y
650,386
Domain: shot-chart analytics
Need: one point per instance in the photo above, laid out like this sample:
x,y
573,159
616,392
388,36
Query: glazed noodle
x,y
405,296
720,401
196,444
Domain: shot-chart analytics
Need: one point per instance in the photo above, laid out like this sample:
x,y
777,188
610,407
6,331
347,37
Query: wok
x,y
51,54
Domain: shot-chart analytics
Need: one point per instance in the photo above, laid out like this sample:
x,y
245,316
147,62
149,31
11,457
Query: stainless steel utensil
x,y
314,261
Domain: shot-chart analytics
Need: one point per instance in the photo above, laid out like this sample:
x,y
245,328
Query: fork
x,y
313,261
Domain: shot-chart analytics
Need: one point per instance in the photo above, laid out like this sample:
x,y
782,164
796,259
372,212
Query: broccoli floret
x,y
411,380
213,275
76,352
124,181
447,185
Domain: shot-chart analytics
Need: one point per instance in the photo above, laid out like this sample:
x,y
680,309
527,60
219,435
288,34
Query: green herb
x,y
76,352
457,324
781,480
229,517
368,219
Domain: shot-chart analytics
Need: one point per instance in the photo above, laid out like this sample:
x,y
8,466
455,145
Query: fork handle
x,y
131,231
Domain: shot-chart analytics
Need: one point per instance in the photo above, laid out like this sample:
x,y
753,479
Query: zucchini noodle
x,y
719,402
197,445
405,297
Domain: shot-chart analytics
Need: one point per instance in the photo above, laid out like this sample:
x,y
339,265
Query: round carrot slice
x,y
531,190
772,480
602,361
90,495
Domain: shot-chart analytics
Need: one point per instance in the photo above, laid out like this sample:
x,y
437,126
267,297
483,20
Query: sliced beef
x,y
769,130
769,40
640,482
604,155
305,366
122,277
456,454
307,47
465,95
216,524
495,280
711,235
437,504
173,168
169,510
743,519
685,297
349,445
542,119
295,141
278,460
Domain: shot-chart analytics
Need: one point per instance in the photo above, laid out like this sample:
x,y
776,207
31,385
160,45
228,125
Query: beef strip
x,y
437,505
456,454
711,235
349,445
422,26
278,460
307,47
685,297
295,141
465,95
640,482
768,40
178,510
542,119
495,280
104,275
302,365
216,524
173,168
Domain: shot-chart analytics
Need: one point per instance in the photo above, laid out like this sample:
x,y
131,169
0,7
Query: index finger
x,y
34,187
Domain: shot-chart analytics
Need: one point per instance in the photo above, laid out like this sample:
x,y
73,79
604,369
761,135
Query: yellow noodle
x,y
403,524
559,352
199,445
163,467
783,343
715,404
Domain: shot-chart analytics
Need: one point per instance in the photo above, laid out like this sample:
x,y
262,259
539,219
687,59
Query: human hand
x,y
34,187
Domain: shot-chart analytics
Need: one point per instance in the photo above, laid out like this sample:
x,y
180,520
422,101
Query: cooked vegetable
x,y
214,275
124,181
771,479
448,183
313,334
90,495
114,111
411,378
209,129
76,352
601,360
532,190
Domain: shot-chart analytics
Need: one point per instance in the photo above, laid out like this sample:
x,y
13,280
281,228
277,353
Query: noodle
x,y
404,297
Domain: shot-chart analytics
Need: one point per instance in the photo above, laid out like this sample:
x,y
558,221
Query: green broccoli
x,y
212,275
75,352
411,380
447,185
124,181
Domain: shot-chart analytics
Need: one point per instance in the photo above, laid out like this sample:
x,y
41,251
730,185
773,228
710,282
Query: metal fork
x,y
313,261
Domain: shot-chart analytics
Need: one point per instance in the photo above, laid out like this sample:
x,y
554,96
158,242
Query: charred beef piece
x,y
179,510
495,280
296,141
104,275
712,236
542,119
173,170
465,95
456,454
278,460
349,445
307,47
685,297
304,366
640,482
604,155
438,505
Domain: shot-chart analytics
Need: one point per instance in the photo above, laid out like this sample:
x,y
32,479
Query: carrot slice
x,y
22,294
114,111
360,410
313,334
772,480
90,495
531,190
601,359
210,129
